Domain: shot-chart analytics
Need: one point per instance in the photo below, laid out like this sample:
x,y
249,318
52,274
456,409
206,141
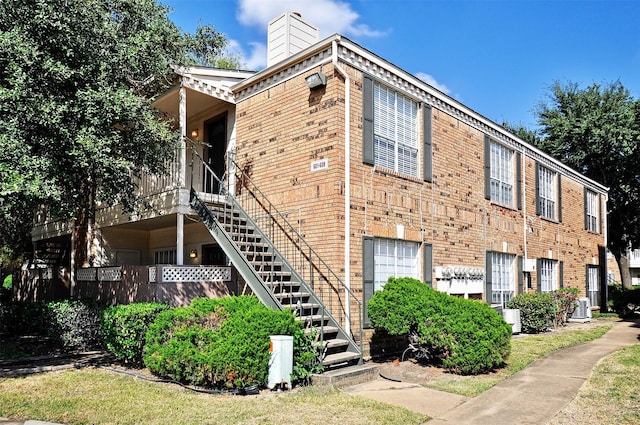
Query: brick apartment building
x,y
382,174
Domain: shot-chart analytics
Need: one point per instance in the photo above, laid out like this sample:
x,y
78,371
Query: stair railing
x,y
242,193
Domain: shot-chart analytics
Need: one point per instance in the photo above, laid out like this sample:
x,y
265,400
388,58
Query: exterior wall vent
x,y
287,35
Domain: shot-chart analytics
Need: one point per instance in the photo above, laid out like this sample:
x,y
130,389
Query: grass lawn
x,y
611,395
98,396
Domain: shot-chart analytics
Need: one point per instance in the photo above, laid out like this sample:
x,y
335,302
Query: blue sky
x,y
498,57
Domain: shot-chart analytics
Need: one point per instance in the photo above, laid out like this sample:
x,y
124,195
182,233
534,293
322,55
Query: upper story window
x,y
394,135
547,193
395,128
591,211
502,176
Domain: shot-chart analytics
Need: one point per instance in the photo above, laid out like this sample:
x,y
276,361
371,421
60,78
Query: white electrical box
x,y
529,265
281,362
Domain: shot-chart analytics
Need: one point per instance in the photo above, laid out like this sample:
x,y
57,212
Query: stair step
x,y
328,330
335,343
282,295
304,306
276,273
312,318
333,360
348,376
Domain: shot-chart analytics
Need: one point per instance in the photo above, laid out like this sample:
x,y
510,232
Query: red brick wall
x,y
283,129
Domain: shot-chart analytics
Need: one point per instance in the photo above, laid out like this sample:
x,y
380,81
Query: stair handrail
x,y
299,242
296,239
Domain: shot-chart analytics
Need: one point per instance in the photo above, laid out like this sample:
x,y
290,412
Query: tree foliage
x,y
596,130
76,83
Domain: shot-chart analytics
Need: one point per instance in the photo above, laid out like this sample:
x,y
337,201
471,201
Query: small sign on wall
x,y
320,164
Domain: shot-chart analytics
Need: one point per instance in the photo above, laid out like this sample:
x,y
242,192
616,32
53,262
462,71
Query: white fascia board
x,y
429,95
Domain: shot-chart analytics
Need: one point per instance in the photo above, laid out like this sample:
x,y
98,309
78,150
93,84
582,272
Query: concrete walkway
x,y
532,396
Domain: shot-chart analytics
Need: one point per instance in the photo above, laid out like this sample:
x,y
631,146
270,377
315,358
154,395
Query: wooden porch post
x,y
182,161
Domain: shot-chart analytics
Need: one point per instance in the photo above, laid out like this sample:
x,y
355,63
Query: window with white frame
x,y
394,258
591,211
547,275
547,193
503,278
502,174
395,131
165,257
593,285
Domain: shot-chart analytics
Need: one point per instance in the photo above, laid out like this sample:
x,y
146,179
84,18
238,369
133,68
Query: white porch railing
x,y
148,184
158,274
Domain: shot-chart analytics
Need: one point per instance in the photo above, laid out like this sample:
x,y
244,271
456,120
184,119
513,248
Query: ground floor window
x,y
503,278
165,257
593,284
394,258
547,275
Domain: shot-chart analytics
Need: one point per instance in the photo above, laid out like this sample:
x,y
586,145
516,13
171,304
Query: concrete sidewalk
x,y
532,396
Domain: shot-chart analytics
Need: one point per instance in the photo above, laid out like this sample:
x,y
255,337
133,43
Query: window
x,y
501,180
547,275
394,258
164,257
547,193
502,278
591,209
395,119
593,284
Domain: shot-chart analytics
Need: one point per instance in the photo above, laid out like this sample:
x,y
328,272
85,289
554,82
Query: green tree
x,y
596,131
77,78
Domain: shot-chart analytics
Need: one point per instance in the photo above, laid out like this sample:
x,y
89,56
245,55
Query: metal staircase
x,y
281,269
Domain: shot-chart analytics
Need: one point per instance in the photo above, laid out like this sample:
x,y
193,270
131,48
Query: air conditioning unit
x,y
582,313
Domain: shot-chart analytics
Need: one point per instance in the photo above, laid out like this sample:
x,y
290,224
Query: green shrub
x,y
566,302
471,336
124,328
403,304
625,302
465,336
23,318
220,343
537,311
75,324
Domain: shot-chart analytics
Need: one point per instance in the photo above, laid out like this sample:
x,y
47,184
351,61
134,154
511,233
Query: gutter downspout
x,y
525,219
605,231
347,184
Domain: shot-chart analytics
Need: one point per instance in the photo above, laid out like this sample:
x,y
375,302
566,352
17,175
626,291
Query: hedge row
x,y
73,325
541,311
217,343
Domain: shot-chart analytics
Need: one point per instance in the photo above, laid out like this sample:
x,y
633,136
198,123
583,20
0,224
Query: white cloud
x,y
429,79
330,16
257,59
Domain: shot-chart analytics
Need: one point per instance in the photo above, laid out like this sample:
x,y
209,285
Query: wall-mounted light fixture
x,y
317,79
193,253
195,133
